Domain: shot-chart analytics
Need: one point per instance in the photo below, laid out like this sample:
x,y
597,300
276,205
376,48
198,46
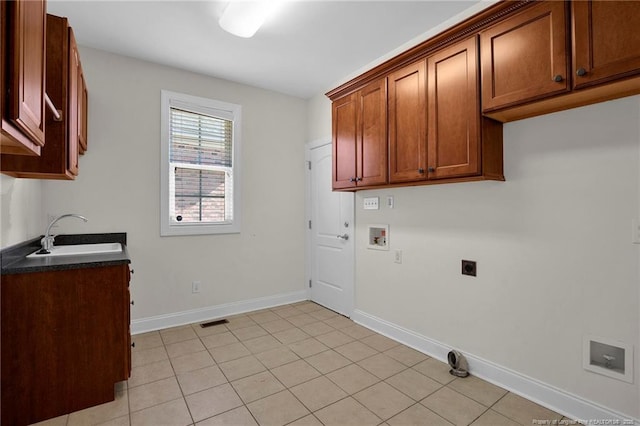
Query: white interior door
x,y
332,232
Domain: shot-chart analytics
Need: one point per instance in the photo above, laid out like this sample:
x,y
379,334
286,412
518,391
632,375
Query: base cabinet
x,y
65,341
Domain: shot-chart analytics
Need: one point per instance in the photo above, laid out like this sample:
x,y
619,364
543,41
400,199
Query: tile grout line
x,y
175,374
334,349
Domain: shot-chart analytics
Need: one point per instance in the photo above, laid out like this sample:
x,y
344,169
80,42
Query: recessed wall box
x,y
608,357
378,237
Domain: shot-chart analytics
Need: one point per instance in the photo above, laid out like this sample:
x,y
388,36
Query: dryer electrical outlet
x,y
469,267
372,203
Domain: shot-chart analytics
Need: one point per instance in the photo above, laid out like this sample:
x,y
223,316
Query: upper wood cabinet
x,y
454,111
344,121
360,138
553,56
407,123
524,57
372,134
67,90
23,76
435,130
606,41
447,96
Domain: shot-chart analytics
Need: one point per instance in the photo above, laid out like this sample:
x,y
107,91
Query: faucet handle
x,y
47,242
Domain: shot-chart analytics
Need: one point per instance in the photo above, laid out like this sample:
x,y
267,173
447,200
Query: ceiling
x,y
307,48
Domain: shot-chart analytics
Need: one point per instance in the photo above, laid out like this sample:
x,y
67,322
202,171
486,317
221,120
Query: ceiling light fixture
x,y
243,18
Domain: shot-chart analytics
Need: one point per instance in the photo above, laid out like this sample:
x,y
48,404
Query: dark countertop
x,y
13,259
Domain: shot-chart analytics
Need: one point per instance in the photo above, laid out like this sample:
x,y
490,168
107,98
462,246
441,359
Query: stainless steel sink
x,y
80,249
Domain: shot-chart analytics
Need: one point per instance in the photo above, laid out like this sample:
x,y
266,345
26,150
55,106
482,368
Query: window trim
x,y
225,110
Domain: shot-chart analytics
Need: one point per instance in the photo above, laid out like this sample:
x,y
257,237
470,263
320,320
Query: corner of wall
x,y
20,209
318,118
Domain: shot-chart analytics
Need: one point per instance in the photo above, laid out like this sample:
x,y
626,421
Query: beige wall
x,y
319,118
553,246
118,189
20,210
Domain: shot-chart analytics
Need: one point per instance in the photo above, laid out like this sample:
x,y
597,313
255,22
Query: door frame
x,y
308,259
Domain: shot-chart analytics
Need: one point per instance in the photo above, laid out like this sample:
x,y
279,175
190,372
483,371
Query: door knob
x,y
343,237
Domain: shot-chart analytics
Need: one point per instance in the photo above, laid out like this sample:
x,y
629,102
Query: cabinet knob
x,y
133,302
558,78
133,344
421,170
352,180
132,271
581,72
358,179
431,170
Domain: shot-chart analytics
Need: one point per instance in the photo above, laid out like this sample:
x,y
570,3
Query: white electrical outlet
x,y
635,231
372,203
195,287
398,257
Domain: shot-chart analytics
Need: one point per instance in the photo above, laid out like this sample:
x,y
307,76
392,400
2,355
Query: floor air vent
x,y
212,323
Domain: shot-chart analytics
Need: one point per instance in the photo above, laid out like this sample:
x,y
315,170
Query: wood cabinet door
x,y
26,104
70,328
72,108
407,123
606,40
454,111
345,140
524,57
371,155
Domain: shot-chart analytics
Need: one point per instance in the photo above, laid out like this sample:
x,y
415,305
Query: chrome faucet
x,y
47,240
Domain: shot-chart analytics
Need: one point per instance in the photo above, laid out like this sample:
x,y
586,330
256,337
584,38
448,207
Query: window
x,y
200,166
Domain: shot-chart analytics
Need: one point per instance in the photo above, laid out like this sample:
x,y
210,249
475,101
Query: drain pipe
x,y
458,364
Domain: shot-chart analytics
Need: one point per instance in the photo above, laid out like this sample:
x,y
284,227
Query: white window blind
x,y
201,158
200,170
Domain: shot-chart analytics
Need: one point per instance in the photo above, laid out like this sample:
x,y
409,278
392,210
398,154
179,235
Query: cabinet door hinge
x,y
309,164
309,224
310,284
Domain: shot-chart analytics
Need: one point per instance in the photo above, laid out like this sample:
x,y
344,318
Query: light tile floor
x,y
298,364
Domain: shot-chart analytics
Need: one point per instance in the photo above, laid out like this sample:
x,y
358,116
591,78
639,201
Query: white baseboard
x,y
160,322
565,403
